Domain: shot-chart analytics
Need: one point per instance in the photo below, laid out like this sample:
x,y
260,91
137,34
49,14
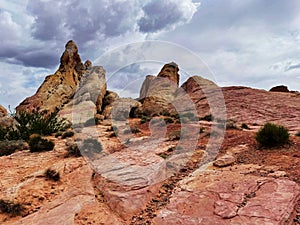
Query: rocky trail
x,y
166,190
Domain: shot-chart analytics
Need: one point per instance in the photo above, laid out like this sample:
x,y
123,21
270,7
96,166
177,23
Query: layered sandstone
x,y
158,92
59,88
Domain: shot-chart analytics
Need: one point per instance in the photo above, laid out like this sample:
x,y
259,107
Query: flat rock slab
x,y
230,197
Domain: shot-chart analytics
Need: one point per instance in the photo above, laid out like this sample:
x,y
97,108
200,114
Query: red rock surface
x,y
244,105
230,197
256,107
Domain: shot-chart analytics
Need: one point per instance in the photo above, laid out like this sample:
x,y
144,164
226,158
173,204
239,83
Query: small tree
x,y
38,123
272,135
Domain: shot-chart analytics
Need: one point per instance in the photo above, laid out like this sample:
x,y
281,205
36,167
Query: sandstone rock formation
x,y
59,88
108,100
158,92
3,111
170,70
280,88
205,95
5,120
87,100
256,107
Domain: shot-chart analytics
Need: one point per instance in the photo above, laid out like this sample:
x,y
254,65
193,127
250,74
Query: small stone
x,y
225,160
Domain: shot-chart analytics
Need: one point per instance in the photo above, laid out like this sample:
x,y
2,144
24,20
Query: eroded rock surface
x,y
88,99
59,88
256,107
157,93
230,197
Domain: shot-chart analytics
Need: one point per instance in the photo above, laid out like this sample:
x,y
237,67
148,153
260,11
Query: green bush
x,y
14,209
168,120
272,135
39,144
208,118
36,123
163,155
145,119
73,150
52,175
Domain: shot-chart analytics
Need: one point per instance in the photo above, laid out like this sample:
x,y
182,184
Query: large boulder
x,y
108,100
200,94
59,88
88,98
157,93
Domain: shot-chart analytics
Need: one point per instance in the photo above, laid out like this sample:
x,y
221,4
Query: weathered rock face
x,y
280,88
256,107
230,197
121,109
72,200
170,70
108,100
204,95
243,105
158,92
3,111
88,98
59,88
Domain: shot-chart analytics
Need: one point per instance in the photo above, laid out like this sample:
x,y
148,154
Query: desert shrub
x,y
163,155
73,150
230,124
168,120
52,175
165,113
208,118
39,144
201,130
3,132
8,147
174,135
14,209
272,135
245,126
91,146
66,134
135,130
145,119
37,123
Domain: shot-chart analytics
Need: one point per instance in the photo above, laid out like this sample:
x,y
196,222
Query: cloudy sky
x,y
252,43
